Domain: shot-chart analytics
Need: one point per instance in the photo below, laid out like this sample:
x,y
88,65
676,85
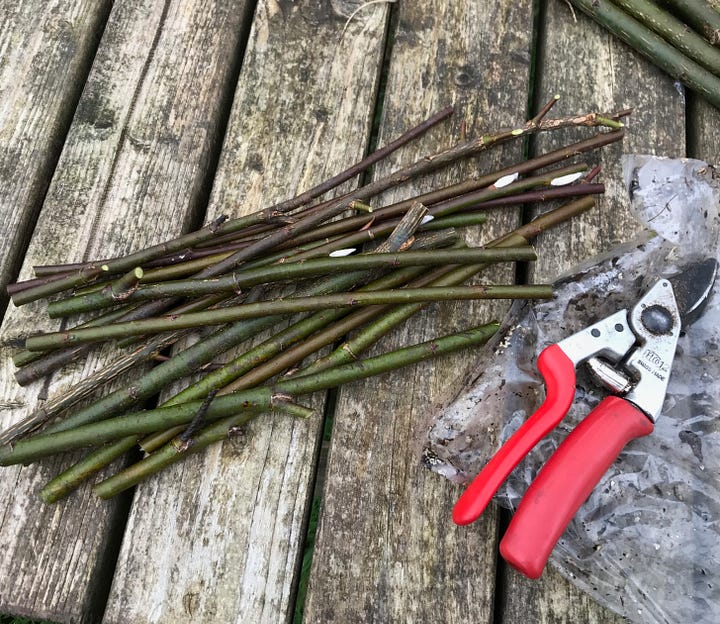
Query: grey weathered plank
x,y
590,69
132,173
387,550
235,515
704,132
45,51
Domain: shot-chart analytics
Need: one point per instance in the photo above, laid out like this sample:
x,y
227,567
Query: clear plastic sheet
x,y
646,543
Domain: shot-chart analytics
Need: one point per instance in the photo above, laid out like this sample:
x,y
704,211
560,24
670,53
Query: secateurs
x,y
629,354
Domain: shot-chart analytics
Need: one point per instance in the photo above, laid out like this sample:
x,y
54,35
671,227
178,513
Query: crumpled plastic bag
x,y
646,543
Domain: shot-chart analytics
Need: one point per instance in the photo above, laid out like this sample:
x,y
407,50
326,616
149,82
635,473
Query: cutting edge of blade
x,y
691,306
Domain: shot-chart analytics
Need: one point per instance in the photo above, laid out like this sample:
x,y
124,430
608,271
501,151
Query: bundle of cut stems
x,y
361,274
682,37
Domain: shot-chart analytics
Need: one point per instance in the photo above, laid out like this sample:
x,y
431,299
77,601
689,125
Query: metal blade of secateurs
x,y
692,287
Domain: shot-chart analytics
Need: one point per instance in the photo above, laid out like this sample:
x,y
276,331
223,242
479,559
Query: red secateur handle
x,y
558,371
567,479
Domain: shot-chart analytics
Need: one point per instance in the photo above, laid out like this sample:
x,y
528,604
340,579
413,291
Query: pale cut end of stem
x,y
506,180
567,179
341,253
360,206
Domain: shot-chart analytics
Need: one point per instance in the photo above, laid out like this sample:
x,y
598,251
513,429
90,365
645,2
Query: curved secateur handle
x,y
558,371
567,479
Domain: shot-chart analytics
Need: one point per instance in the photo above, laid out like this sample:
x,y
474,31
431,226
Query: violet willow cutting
x,y
425,165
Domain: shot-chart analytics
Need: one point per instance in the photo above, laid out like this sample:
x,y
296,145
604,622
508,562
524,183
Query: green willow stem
x,y
701,16
85,388
38,280
527,232
84,276
469,219
71,478
157,461
254,399
653,47
25,357
170,453
184,268
279,307
675,32
52,361
540,162
239,280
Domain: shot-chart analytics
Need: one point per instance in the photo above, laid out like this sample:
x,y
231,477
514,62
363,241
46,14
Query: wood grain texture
x,y
591,70
387,550
131,174
45,51
235,515
704,132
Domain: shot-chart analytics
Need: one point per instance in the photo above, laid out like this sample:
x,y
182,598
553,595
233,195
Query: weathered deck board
x,y
704,132
132,172
45,51
235,515
220,537
589,69
387,550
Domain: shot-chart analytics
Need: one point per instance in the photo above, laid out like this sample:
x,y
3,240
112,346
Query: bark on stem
x,y
701,16
255,399
240,280
222,225
675,32
64,483
144,327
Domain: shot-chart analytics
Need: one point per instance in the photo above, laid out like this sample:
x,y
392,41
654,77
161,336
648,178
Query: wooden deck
x,y
123,124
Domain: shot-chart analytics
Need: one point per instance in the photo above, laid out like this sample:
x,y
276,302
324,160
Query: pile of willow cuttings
x,y
336,274
682,37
